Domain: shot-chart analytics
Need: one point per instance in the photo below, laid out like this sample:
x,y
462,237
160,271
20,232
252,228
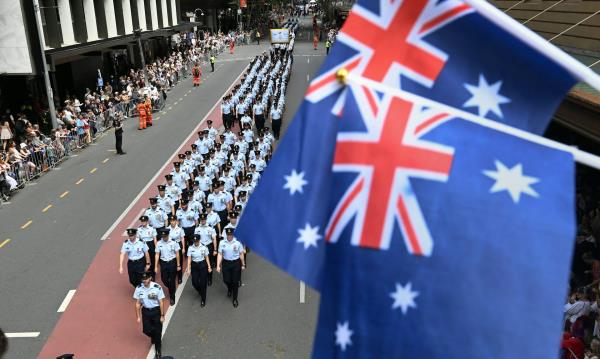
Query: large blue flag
x,y
428,236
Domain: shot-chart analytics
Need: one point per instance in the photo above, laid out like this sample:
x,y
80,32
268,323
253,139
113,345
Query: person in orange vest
x,y
231,46
141,108
196,73
148,105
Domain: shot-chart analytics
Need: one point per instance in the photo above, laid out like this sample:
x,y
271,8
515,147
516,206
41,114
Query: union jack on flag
x,y
418,227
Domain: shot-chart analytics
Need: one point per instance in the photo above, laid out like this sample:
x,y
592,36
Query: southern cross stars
x,y
404,297
343,335
295,182
309,236
486,97
512,180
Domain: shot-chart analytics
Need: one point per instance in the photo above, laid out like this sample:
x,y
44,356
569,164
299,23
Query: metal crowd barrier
x,y
57,150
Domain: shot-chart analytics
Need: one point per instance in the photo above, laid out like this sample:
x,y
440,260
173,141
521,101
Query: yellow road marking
x,y
105,160
79,182
93,170
181,98
158,118
4,242
64,194
26,224
185,94
47,208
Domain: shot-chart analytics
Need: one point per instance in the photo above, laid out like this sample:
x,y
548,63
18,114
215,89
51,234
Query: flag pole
x,y
576,68
582,157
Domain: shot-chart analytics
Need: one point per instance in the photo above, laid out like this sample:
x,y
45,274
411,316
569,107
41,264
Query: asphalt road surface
x,y
57,227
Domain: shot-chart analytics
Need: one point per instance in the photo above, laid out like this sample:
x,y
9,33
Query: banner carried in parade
x,y
426,235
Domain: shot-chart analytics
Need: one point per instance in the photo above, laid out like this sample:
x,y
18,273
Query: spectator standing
x,y
5,135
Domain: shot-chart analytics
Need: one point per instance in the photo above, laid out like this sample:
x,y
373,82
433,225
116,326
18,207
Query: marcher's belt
x,y
136,260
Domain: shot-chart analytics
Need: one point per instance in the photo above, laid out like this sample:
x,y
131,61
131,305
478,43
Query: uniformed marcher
x,y
231,262
208,238
156,216
147,234
118,125
164,201
167,254
188,219
138,259
149,310
200,267
176,234
212,63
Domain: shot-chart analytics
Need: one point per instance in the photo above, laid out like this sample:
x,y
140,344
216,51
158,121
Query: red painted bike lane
x,y
100,320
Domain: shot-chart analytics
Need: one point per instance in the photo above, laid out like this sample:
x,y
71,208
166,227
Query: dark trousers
x,y
152,327
223,216
199,278
188,234
135,270
168,274
180,271
226,120
119,142
232,271
212,67
276,124
260,122
151,252
213,261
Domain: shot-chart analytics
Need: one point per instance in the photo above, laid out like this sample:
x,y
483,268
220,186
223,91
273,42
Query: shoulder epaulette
x,y
126,241
156,285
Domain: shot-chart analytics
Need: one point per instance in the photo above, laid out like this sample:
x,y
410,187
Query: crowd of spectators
x,y
26,152
581,337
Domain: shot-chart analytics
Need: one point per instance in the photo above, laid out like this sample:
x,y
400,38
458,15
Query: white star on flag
x,y
343,335
404,297
309,236
295,182
486,97
511,180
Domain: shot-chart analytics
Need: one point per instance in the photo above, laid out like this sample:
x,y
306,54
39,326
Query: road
x,y
57,232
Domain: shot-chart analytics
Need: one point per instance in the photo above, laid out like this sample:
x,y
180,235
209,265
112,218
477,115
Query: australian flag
x,y
428,236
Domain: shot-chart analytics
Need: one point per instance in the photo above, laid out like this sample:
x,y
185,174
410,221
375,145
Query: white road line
x,y
66,301
23,335
308,60
194,132
302,292
307,78
124,234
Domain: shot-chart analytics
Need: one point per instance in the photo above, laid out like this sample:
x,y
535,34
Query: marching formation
x,y
189,226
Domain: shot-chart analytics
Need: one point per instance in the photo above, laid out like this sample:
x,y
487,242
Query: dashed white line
x,y
66,301
23,335
308,60
307,78
302,292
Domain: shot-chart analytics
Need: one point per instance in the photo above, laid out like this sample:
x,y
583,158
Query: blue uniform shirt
x,y
146,233
176,233
165,203
230,250
135,250
156,217
187,217
167,249
149,296
173,191
198,252
206,233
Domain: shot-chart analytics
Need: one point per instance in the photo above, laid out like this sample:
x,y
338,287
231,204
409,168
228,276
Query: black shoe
x,y
172,301
229,293
122,153
158,355
235,303
179,280
239,283
209,283
202,304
